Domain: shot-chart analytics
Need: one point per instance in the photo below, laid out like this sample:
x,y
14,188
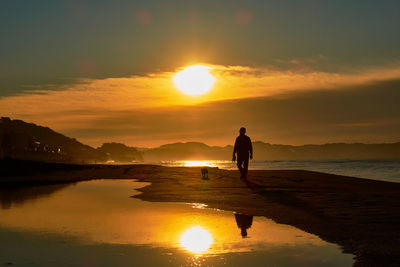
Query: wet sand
x,y
363,216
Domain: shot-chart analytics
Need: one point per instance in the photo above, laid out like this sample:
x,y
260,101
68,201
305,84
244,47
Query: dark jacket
x,y
243,146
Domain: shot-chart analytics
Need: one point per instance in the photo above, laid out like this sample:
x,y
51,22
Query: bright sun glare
x,y
196,239
194,80
199,163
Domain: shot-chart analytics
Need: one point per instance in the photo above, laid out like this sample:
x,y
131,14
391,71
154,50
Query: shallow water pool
x,y
98,223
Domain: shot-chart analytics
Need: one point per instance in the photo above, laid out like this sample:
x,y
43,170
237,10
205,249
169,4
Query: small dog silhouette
x,y
204,173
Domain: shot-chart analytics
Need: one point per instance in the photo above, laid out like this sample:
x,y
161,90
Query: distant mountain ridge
x,y
120,153
266,151
29,141
327,151
22,140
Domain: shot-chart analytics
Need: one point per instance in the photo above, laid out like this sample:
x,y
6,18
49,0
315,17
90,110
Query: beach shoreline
x,y
360,215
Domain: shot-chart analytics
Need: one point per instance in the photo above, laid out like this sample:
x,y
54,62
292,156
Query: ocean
x,y
384,170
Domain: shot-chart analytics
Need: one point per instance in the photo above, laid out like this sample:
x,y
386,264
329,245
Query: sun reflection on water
x,y
196,240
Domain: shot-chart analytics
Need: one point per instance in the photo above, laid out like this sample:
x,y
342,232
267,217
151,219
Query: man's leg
x,y
239,165
245,167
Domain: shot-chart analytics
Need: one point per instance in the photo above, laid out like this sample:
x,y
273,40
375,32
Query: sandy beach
x,y
362,216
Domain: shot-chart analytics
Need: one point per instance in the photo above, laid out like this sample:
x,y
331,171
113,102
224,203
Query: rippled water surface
x,y
97,223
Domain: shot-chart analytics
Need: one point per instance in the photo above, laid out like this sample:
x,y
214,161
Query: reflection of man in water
x,y
244,222
242,147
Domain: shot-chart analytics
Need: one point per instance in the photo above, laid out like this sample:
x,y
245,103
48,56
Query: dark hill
x,y
22,140
121,153
187,151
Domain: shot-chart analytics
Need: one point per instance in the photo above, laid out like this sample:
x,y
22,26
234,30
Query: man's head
x,y
243,232
242,131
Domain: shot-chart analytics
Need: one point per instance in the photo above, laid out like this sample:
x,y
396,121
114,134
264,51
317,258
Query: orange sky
x,y
276,106
304,72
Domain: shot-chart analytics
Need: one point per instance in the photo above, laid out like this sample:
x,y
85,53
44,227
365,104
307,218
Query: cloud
x,y
354,114
288,106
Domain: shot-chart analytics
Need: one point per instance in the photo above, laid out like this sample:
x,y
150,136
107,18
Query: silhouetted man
x,y
243,148
244,222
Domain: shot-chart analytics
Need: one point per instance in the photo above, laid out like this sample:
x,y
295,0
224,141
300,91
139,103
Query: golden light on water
x,y
196,239
74,212
194,80
198,163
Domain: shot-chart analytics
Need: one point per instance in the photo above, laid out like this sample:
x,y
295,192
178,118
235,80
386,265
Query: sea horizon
x,y
376,169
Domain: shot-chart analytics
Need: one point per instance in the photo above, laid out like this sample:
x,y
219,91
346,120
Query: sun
x,y
194,80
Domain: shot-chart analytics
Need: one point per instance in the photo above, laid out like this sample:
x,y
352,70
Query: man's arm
x,y
250,148
234,150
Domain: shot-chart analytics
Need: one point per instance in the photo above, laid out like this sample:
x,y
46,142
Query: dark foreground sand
x,y
363,216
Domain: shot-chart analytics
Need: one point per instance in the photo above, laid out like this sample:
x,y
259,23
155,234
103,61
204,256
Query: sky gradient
x,y
292,72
